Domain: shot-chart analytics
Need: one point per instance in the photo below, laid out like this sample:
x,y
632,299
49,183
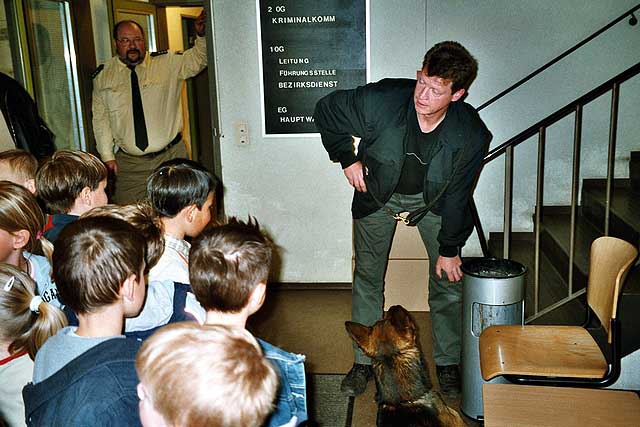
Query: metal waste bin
x,y
492,294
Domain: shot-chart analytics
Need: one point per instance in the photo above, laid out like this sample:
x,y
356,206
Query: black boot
x,y
449,379
355,382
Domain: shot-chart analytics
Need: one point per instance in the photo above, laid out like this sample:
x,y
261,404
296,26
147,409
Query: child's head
x,y
142,217
227,263
211,375
72,181
21,222
183,189
98,262
26,321
20,167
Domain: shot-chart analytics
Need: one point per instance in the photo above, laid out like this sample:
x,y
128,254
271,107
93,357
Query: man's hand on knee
x,y
451,266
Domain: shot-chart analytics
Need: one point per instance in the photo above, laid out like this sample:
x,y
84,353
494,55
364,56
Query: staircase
x,y
555,231
556,253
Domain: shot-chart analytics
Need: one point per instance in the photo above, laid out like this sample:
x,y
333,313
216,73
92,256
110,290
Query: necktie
x,y
142,141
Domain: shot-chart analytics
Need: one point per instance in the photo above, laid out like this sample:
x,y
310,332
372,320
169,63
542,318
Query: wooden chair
x,y
566,355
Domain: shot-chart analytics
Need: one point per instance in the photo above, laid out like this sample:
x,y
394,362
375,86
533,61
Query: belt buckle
x,y
402,217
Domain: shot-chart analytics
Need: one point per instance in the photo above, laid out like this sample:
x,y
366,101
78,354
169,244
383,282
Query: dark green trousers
x,y
133,171
372,240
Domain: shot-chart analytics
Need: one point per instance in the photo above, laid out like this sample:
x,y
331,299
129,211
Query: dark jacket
x,y
28,130
98,388
55,224
381,114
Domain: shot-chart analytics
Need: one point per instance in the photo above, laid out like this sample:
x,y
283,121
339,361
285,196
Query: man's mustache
x,y
132,51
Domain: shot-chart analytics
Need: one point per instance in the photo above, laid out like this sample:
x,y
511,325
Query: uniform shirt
x,y
6,141
160,78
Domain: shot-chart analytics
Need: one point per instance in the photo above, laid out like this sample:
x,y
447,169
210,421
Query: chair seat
x,y
544,351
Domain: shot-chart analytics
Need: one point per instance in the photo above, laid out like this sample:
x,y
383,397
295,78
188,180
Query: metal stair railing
x,y
632,21
478,225
539,128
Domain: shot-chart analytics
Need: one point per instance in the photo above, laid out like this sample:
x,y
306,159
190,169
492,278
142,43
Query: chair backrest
x,y
610,261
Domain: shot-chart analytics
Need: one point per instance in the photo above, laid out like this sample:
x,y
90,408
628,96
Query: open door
x,y
198,129
53,69
152,19
198,112
168,24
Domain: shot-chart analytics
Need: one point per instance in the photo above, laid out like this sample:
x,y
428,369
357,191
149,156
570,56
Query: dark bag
x,y
27,128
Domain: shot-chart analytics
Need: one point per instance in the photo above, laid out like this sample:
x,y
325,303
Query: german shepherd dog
x,y
404,392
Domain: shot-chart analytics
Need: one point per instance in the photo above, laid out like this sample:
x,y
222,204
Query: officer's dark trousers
x,y
133,171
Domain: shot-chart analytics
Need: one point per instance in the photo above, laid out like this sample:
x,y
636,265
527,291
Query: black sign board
x,y
309,48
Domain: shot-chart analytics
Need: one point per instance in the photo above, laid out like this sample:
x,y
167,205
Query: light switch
x,y
242,133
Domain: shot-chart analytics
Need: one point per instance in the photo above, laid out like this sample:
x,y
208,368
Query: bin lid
x,y
494,268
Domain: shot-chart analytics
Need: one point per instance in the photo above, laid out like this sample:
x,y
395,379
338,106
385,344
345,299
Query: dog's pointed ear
x,y
361,335
401,319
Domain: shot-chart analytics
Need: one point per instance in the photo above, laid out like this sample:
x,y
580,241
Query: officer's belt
x,y
173,142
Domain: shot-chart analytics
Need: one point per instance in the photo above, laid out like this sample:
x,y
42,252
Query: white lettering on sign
x,y
286,61
305,73
320,19
296,119
308,85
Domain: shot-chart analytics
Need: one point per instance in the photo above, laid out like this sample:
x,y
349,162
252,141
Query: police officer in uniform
x,y
137,108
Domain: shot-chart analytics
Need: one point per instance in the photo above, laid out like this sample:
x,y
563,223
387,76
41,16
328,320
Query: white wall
x,y
302,198
288,184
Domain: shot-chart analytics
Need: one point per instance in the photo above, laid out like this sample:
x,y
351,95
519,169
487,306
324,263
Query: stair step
x,y
555,231
555,234
625,205
554,241
552,287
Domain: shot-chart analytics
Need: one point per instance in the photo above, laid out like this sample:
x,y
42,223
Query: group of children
x,y
123,322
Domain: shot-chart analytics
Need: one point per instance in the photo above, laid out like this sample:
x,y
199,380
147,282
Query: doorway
x,y
170,25
146,15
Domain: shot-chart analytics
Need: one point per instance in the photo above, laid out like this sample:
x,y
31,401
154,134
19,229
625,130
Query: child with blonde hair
x,y
229,270
20,167
21,242
26,321
192,375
